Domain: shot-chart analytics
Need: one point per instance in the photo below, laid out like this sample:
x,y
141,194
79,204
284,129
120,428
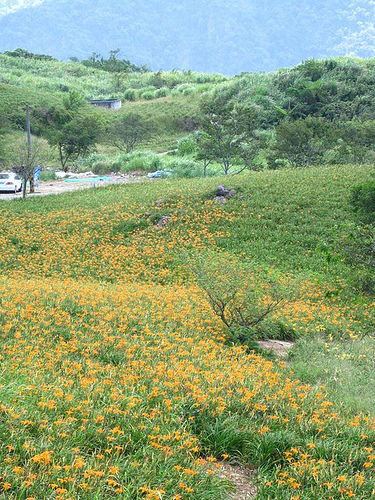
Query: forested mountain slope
x,y
208,35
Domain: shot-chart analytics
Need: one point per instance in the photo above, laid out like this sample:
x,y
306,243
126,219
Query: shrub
x,y
241,297
188,145
130,95
143,161
362,199
47,175
162,92
101,168
184,89
148,93
183,167
358,248
89,162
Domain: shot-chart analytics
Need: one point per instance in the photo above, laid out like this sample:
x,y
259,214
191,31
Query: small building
x,y
106,103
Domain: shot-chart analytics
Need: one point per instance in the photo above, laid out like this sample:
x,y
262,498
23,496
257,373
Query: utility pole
x,y
29,149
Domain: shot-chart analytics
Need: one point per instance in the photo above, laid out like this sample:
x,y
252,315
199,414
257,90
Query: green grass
x,y
345,367
172,114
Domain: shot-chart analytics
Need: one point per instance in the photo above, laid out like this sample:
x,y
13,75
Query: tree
x,y
76,138
230,134
204,151
24,158
303,142
240,296
128,131
222,128
73,127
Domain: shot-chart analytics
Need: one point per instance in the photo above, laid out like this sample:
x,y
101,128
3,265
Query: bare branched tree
x,y
241,298
24,159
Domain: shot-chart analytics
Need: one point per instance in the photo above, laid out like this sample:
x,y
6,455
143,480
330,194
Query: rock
x,y
164,221
220,199
223,194
279,347
222,191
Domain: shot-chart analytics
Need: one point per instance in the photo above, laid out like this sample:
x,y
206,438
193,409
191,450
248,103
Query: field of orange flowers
x,y
117,379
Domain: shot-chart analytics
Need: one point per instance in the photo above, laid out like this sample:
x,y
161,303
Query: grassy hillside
x,y
319,112
119,381
167,102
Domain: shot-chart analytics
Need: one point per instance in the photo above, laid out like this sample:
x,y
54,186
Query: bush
x,y
188,145
358,248
362,199
162,92
89,162
182,167
147,93
240,296
143,161
101,168
130,95
47,175
184,89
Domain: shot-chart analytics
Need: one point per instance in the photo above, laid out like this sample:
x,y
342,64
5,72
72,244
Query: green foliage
x,y
319,112
48,175
357,246
28,55
183,167
113,64
76,137
127,131
130,94
188,145
362,199
141,161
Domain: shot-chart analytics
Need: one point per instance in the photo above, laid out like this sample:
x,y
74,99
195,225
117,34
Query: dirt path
x,y
242,480
280,347
61,186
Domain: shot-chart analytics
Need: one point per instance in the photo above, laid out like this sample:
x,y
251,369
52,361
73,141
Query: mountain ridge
x,y
206,35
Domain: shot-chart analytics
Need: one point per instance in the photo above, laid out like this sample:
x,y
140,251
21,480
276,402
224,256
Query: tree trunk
x,y
24,187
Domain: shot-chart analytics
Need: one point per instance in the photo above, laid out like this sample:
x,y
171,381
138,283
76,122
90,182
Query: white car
x,y
10,181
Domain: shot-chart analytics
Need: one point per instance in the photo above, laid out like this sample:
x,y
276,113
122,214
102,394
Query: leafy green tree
x,y
357,244
113,64
304,141
360,135
73,128
127,131
230,135
222,126
204,151
362,199
76,138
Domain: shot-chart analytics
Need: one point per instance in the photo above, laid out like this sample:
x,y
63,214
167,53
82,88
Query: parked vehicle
x,y
10,182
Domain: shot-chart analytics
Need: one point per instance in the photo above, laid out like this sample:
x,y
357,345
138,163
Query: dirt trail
x,y
242,480
60,186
